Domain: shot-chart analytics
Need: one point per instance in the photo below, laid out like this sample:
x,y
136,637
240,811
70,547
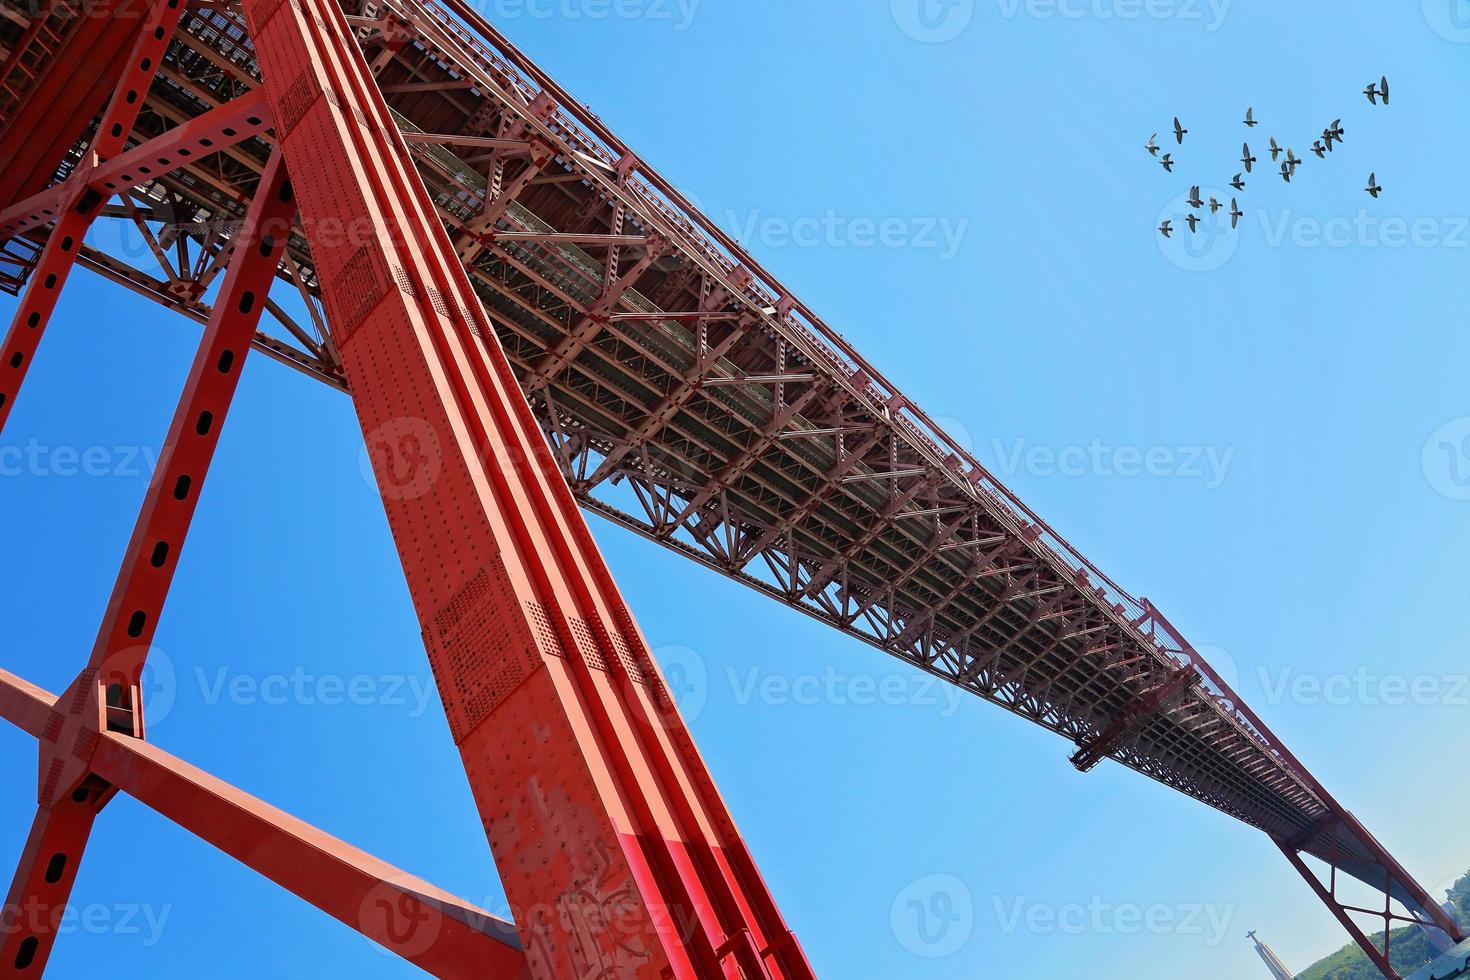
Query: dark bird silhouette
x,y
1153,144
1383,89
1336,130
1292,160
1179,130
1275,150
1237,183
1372,93
1327,139
1166,229
1375,93
1235,213
1286,172
1319,149
1167,162
1373,187
1250,118
1193,220
1245,156
1193,199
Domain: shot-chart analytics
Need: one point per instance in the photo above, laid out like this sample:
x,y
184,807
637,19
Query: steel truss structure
x,y
527,317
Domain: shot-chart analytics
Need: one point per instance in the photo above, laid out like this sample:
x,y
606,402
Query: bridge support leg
x,y
411,918
105,696
617,853
60,253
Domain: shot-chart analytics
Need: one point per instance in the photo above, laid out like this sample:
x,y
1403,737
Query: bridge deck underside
x,y
749,439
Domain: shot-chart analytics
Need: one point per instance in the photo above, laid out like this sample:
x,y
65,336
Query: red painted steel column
x,y
619,857
105,696
66,238
1379,957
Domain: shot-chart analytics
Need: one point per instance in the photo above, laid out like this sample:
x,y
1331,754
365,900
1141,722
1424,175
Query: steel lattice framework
x,y
471,242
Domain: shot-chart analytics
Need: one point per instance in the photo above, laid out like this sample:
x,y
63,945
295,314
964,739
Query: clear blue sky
x,y
1301,515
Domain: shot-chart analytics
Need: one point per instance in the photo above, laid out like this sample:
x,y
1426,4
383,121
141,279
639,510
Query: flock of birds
x,y
1377,93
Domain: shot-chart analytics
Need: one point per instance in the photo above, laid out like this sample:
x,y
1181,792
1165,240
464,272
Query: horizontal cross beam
x,y
430,928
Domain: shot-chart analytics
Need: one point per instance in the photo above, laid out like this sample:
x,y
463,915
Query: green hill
x,y
1411,949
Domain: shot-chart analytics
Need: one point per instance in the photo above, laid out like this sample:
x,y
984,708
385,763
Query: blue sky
x,y
1266,435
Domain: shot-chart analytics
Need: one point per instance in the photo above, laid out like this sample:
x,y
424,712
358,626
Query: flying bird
x,y
1235,213
1193,220
1245,156
1179,130
1286,172
1275,150
1292,160
1383,89
1214,205
1373,187
1237,183
1327,138
1167,162
1250,119
1376,93
1336,130
1193,199
1372,93
1153,144
1319,149
1166,229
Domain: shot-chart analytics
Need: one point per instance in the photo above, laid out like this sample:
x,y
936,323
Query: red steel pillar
x,y
61,250
616,850
105,696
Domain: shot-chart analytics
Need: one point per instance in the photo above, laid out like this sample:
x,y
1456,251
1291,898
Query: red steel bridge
x,y
529,319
